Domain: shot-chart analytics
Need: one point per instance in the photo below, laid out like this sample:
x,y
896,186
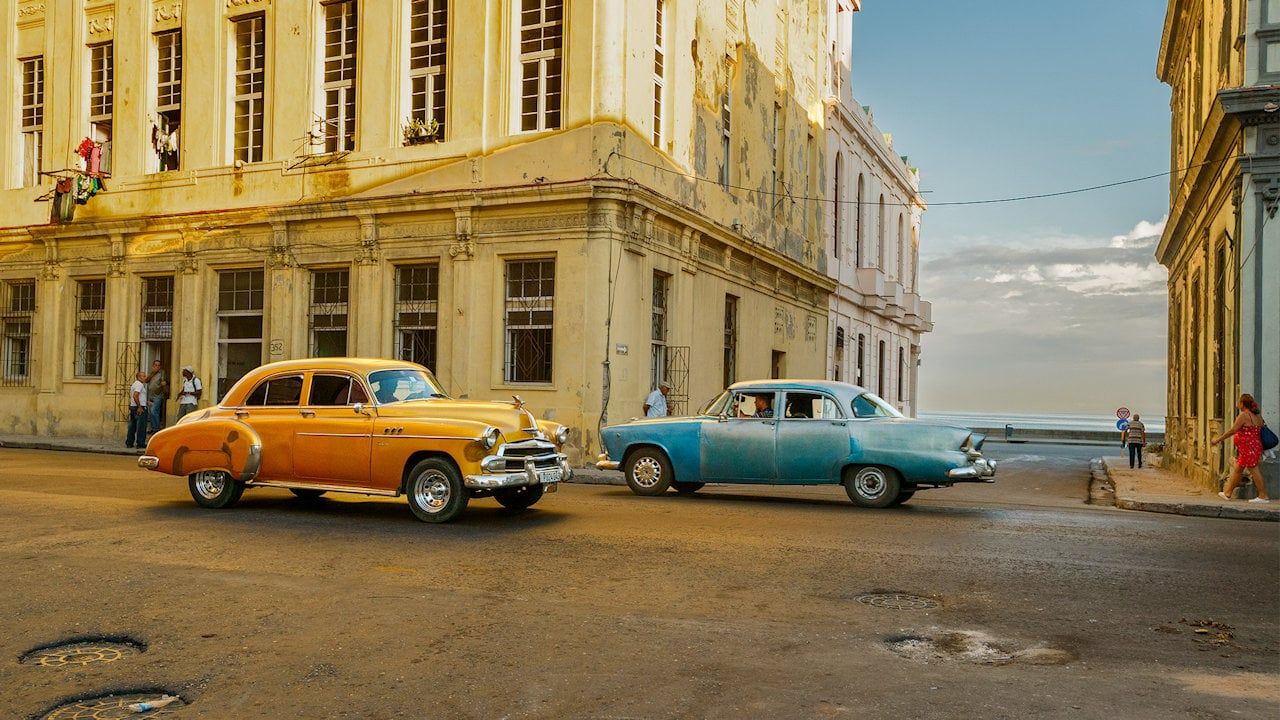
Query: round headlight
x,y
562,435
490,438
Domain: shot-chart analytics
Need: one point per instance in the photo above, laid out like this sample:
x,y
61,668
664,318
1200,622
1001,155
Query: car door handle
x,y
770,422
307,413
242,413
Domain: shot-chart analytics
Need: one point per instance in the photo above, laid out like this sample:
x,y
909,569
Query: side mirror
x,y
358,409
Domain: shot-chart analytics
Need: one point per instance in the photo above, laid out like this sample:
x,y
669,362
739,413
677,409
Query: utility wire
x,y
991,201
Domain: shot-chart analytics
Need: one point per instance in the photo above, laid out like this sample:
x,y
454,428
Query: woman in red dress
x,y
1248,449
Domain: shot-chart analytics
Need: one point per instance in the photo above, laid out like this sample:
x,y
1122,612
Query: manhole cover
x,y
82,651
898,601
117,707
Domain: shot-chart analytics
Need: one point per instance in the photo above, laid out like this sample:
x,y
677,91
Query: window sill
x,y
80,380
540,387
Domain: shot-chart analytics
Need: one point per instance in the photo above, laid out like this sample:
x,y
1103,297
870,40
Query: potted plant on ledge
x,y
417,131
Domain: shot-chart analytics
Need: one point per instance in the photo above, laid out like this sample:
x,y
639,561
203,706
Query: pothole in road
x,y
972,647
81,651
117,706
898,601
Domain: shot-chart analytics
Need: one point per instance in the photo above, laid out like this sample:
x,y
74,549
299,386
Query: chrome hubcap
x,y
647,472
431,491
869,483
210,484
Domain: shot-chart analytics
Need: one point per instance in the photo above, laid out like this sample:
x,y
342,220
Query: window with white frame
x,y
250,85
658,329
32,119
329,297
726,133
239,318
339,75
541,63
530,316
18,314
861,367
901,271
659,69
880,259
857,223
417,313
91,305
101,90
428,58
168,98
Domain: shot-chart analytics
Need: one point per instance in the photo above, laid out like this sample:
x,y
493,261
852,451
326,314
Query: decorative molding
x,y
30,12
279,256
50,271
463,246
115,266
242,4
102,26
369,252
167,15
539,222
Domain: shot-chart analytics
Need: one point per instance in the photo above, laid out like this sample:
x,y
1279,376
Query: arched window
x,y
838,206
902,275
857,225
880,235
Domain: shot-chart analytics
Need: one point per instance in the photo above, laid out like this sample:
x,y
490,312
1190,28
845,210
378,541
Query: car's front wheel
x,y
214,489
872,486
648,471
435,491
518,498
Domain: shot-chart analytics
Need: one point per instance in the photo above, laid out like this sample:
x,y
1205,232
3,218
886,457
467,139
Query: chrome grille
x,y
541,452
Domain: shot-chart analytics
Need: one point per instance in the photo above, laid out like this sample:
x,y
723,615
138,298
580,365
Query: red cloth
x,y
1248,446
95,161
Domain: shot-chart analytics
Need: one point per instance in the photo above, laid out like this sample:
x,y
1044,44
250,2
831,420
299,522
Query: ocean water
x,y
1094,423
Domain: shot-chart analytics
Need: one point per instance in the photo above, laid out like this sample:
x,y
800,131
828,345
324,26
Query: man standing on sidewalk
x,y
137,435
157,394
1135,436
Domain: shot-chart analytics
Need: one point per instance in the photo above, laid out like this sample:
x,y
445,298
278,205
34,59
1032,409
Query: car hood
x,y
510,420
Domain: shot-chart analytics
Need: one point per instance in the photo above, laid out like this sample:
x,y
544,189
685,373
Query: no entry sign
x,y
1123,413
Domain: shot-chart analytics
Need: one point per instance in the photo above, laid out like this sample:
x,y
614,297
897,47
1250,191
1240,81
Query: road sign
x,y
1123,413
1122,424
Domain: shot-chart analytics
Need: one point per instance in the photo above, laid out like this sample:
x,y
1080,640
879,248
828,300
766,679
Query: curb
x,y
44,445
1193,509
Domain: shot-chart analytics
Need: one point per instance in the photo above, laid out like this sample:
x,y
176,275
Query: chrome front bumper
x,y
528,476
982,470
604,463
148,462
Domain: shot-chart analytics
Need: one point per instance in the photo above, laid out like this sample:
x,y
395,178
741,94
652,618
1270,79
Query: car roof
x,y
832,386
358,366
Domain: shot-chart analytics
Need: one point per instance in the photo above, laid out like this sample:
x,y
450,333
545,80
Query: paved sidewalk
x,y
1154,489
73,444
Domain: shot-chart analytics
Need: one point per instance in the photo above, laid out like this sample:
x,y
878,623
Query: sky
x,y
1043,306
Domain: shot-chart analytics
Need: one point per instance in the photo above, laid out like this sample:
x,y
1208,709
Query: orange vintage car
x,y
377,427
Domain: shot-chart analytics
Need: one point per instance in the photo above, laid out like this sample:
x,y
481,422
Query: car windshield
x,y
392,386
716,406
871,405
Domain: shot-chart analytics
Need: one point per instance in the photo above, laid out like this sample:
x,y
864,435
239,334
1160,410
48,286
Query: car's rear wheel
x,y
872,486
214,489
903,496
687,488
648,471
307,493
435,491
518,498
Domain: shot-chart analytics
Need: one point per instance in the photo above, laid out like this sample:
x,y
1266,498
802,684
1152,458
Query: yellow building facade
x,y
1221,245
569,200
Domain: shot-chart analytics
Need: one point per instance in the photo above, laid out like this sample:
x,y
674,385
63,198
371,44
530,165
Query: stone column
x,y
367,321
462,306
284,329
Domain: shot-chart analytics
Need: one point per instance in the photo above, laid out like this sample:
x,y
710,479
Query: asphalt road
x,y
734,603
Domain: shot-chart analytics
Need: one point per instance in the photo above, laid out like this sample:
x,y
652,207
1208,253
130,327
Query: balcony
x,y
892,295
870,283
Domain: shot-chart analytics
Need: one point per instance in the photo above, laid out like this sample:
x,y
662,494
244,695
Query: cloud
x,y
1143,235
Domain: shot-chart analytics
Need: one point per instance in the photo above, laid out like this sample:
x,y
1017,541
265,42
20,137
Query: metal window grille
x,y
169,88
730,339
541,63
428,57
101,88
32,119
16,320
91,304
250,83
530,316
659,69
340,75
157,308
240,301
726,129
417,313
329,296
839,355
658,330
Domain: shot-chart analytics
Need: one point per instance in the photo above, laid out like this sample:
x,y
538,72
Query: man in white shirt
x,y
137,436
656,405
191,391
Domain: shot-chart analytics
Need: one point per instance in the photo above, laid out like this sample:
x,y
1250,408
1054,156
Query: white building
x,y
872,240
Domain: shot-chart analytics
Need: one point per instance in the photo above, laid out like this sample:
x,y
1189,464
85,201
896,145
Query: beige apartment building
x,y
568,200
1221,243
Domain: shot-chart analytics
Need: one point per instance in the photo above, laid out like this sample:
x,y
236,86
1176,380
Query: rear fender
x,y
211,444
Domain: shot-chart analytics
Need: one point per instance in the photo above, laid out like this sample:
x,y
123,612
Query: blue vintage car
x,y
796,432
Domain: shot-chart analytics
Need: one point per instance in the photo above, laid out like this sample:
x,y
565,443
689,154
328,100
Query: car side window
x,y
330,390
753,405
811,406
284,391
868,405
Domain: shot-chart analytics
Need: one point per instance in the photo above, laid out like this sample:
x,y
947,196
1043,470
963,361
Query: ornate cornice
x,y
167,14
102,26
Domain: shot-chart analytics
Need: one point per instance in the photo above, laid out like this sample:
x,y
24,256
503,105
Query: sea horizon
x,y
1040,421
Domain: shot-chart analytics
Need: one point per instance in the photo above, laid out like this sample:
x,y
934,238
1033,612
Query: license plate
x,y
549,476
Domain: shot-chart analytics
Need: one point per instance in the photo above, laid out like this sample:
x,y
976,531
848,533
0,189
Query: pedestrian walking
x,y
137,435
157,393
192,389
1246,433
656,405
1135,437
